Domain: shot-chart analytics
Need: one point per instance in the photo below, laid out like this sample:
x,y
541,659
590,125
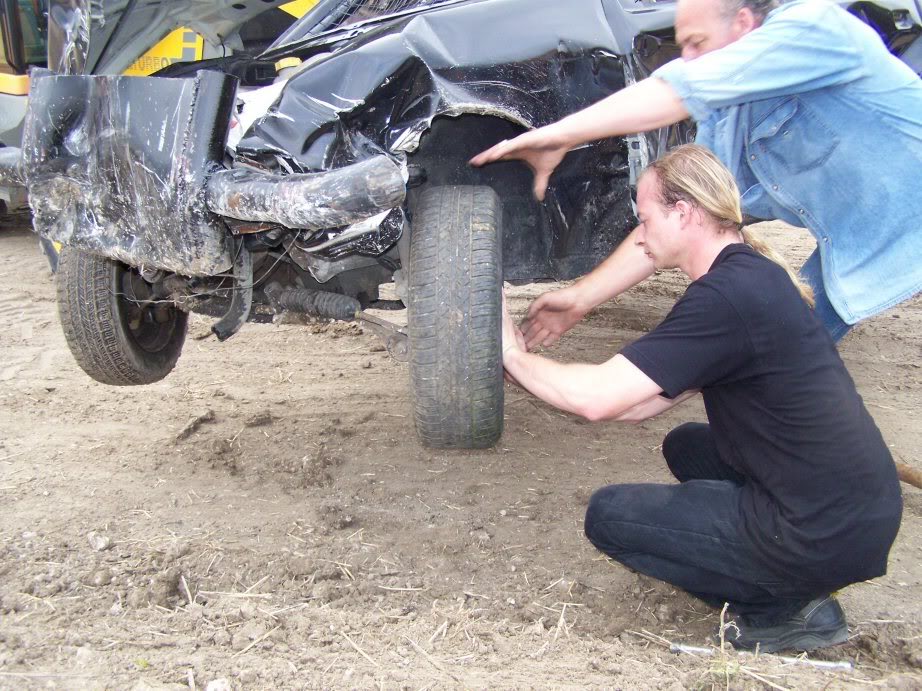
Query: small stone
x,y
221,684
366,364
503,512
247,676
99,542
176,551
138,598
84,656
101,577
260,419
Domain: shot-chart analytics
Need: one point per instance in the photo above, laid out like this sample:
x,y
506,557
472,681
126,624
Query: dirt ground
x,y
265,518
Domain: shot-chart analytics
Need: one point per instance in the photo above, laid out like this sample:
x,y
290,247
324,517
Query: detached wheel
x,y
115,332
455,317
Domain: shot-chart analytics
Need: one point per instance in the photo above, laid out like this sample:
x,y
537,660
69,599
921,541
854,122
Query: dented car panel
x,y
117,166
439,83
331,153
527,61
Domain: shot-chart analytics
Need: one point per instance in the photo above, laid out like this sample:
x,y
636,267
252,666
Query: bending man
x,y
819,124
790,492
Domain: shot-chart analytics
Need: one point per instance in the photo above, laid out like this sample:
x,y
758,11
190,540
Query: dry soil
x,y
265,518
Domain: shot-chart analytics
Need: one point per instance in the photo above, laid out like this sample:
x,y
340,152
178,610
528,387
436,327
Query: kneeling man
x,y
789,493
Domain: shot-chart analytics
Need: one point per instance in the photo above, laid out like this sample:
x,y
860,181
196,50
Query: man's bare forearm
x,y
624,268
596,392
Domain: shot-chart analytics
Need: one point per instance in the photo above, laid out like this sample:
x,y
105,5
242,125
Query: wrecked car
x,y
305,178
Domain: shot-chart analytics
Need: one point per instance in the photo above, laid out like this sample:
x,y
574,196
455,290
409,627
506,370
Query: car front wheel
x,y
116,329
455,317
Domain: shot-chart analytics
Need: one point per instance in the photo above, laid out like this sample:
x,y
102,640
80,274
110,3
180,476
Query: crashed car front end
x,y
348,171
132,168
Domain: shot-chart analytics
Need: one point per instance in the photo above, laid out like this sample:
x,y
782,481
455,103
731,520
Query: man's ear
x,y
744,22
685,212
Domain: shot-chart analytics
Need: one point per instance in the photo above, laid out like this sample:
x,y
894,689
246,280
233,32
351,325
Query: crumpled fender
x,y
516,59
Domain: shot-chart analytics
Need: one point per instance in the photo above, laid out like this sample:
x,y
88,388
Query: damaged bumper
x,y
133,169
310,201
117,166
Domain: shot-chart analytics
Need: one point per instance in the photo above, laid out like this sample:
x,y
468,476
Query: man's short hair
x,y
759,8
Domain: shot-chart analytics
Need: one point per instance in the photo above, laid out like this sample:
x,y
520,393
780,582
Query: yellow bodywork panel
x,y
298,8
14,84
181,45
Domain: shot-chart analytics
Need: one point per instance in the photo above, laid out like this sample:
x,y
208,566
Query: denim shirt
x,y
822,128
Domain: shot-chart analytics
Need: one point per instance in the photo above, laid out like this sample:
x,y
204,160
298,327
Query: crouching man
x,y
789,493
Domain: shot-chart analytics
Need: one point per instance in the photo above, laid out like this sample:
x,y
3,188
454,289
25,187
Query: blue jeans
x,y
812,273
690,534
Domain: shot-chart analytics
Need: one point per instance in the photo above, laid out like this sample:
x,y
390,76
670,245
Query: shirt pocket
x,y
792,135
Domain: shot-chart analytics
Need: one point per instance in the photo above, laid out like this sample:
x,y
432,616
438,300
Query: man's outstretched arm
x,y
640,107
596,392
555,312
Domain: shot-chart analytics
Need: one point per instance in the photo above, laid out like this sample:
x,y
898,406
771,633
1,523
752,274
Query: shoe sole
x,y
803,641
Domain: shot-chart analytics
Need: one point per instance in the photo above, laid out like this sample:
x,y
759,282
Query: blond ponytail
x,y
755,241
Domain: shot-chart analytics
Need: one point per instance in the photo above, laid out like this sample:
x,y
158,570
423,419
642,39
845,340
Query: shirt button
x,y
800,211
752,157
775,187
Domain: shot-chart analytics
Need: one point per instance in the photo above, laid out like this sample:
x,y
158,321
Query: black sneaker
x,y
819,624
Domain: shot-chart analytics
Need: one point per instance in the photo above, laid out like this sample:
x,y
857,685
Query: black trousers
x,y
690,534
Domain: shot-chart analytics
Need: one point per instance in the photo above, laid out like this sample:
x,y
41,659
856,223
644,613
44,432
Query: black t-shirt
x,y
822,499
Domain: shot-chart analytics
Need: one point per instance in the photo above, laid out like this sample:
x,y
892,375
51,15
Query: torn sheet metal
x,y
10,168
69,27
371,237
413,84
388,78
311,201
116,166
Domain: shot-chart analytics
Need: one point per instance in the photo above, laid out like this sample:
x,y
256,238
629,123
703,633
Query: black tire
x,y
455,317
115,339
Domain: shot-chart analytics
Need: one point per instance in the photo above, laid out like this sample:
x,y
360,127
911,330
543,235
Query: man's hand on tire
x,y
551,316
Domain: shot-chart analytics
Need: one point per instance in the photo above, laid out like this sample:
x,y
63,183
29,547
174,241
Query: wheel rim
x,y
149,324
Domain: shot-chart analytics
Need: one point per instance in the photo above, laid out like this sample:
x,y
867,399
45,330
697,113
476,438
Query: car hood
x,y
105,36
